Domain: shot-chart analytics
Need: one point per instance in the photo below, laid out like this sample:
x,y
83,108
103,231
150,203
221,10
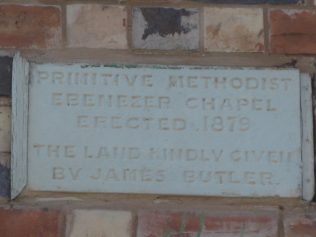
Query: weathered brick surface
x,y
28,26
5,76
293,31
300,223
233,30
30,223
100,223
97,26
215,223
165,28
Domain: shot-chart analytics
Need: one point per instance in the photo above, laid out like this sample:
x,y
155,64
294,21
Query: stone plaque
x,y
164,130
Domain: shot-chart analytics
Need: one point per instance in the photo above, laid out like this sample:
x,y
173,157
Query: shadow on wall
x,y
314,125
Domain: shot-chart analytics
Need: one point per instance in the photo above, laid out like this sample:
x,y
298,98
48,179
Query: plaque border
x,y
307,140
19,141
20,88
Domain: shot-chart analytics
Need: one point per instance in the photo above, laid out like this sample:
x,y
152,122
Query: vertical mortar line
x,y
281,222
129,25
63,223
134,224
201,34
266,29
64,24
69,219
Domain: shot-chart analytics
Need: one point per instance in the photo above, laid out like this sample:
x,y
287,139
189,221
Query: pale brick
x,y
233,30
5,125
165,28
100,223
96,26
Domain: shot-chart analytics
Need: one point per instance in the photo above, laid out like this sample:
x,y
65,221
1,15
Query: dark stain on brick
x,y
4,181
165,21
250,1
5,76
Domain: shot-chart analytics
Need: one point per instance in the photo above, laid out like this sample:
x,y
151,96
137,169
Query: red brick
x,y
23,26
30,223
300,223
293,31
217,223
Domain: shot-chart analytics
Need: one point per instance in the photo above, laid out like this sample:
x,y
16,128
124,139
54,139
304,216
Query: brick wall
x,y
259,33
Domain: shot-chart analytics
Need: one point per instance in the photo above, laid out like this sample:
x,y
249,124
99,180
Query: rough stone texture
x,y
23,26
30,223
216,223
100,223
165,28
5,76
300,223
97,26
293,31
233,30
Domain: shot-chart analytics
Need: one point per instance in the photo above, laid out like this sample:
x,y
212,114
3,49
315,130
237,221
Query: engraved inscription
x,y
164,130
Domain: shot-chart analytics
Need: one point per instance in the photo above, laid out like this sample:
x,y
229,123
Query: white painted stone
x,y
96,26
5,125
168,130
184,39
20,97
233,30
100,223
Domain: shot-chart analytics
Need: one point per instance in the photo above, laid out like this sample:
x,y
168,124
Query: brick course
x,y
215,223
